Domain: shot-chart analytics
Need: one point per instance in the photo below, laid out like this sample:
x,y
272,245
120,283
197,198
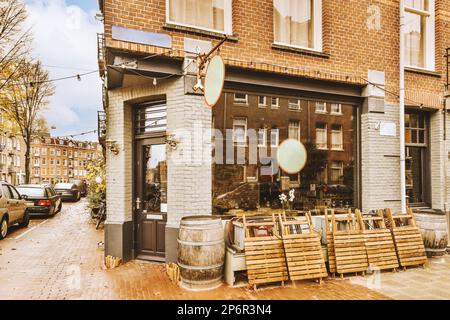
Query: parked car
x,y
82,186
42,199
12,209
68,191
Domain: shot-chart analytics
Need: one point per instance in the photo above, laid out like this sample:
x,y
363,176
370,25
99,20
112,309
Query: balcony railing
x,y
101,125
101,53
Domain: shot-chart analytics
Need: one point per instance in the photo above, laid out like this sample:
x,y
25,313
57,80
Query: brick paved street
x,y
58,258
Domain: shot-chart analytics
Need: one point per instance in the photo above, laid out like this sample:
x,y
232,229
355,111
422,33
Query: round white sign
x,y
214,80
292,156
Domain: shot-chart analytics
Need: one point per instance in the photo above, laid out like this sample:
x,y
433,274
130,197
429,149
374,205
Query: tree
x,y
13,39
24,100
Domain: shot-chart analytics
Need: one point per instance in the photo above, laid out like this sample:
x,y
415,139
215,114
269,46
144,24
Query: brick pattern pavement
x,y
431,282
60,259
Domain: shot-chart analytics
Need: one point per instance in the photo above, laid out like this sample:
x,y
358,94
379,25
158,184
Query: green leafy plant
x,y
96,178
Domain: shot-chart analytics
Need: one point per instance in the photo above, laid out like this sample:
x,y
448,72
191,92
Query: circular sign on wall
x,y
214,80
291,156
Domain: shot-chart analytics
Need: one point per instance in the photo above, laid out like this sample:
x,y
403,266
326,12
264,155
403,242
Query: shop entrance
x,y
150,181
417,164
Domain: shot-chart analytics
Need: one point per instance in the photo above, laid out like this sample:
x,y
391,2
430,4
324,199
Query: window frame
x,y
430,36
277,131
317,30
326,136
264,145
240,143
262,105
275,106
339,113
239,101
341,132
298,128
227,17
294,107
320,111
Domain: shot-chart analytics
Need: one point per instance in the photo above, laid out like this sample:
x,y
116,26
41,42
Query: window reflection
x,y
328,131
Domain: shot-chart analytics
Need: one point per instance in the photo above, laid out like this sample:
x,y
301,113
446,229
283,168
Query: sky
x,y
65,40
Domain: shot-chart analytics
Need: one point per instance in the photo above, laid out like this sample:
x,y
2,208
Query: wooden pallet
x,y
380,246
407,239
264,256
349,246
330,244
303,249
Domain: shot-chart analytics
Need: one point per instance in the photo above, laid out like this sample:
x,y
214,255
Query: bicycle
x,y
101,215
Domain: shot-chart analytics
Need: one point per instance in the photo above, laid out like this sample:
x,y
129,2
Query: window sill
x,y
296,110
284,47
198,31
423,71
336,149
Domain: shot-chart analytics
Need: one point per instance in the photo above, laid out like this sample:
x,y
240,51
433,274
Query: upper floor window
x,y
419,33
298,23
240,131
294,104
240,98
321,107
212,15
336,108
274,103
262,101
294,130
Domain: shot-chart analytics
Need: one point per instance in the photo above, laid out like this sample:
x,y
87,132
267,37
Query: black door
x,y
150,198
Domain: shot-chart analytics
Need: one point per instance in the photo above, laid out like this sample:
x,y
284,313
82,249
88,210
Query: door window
x,y
6,192
14,193
155,188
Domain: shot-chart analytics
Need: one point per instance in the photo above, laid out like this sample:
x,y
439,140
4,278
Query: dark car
x,y
42,199
68,191
82,186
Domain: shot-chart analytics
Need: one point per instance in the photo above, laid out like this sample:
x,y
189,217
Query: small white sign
x,y
388,129
164,207
155,217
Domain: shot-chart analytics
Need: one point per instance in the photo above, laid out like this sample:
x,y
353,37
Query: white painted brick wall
x,y
380,162
437,158
189,182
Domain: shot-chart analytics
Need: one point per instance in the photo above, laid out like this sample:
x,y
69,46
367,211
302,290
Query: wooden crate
x,y
407,239
380,246
264,256
303,249
349,246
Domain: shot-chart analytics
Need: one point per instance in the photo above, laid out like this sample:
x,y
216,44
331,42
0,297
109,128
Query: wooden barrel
x,y
201,252
434,233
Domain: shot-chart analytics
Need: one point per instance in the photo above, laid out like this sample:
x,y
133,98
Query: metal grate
x,y
151,117
101,53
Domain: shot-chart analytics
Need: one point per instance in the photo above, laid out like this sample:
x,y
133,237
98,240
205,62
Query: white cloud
x,y
65,35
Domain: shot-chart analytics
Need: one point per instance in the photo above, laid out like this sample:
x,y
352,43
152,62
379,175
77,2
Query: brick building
x,y
12,152
325,72
60,160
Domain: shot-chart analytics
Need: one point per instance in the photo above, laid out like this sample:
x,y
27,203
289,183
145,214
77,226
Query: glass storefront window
x,y
329,177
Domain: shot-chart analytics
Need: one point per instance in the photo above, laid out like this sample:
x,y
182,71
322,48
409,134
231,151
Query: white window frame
x,y
292,106
333,167
264,104
264,144
235,124
291,122
317,25
321,111
430,43
274,133
240,101
338,113
341,132
326,137
275,106
227,17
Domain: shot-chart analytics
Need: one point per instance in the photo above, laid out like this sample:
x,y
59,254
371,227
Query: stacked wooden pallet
x,y
407,239
349,246
303,249
264,251
380,246
330,243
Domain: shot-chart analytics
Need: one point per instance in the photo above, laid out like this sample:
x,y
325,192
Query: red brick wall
x,y
353,49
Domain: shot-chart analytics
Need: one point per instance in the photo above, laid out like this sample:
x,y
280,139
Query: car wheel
x,y
25,220
3,228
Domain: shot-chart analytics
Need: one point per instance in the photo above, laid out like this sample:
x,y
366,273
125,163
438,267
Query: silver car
x,y
13,209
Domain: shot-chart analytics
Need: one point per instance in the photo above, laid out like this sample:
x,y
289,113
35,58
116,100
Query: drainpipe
x,y
402,107
447,213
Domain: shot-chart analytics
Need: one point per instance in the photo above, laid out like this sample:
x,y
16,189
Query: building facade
x,y
56,160
324,72
12,154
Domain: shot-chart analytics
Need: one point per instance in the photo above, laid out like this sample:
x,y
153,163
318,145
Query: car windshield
x,y
63,186
31,191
